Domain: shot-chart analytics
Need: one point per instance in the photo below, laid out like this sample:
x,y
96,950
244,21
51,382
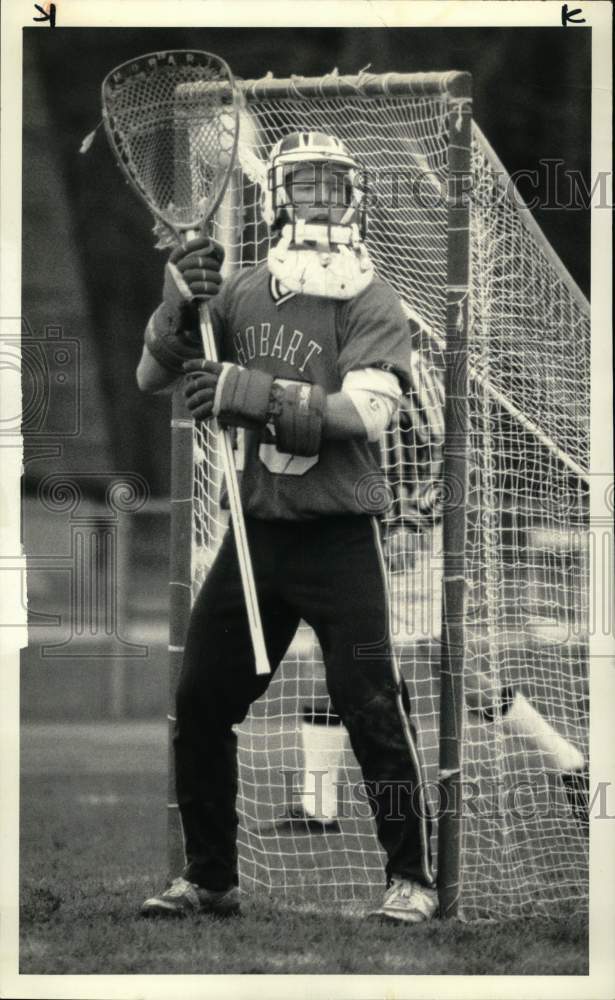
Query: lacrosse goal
x,y
495,590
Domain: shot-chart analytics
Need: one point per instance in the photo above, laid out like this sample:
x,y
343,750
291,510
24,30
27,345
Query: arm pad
x,y
375,395
298,411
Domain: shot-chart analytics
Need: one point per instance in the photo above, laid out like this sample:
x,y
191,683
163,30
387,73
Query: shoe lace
x,y
401,889
178,887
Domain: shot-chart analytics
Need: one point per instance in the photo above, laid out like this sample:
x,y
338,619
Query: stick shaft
x,y
239,526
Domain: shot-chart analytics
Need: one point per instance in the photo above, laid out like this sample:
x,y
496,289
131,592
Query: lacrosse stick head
x,y
172,119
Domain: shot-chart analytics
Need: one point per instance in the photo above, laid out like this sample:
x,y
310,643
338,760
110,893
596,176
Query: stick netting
x,y
523,850
171,121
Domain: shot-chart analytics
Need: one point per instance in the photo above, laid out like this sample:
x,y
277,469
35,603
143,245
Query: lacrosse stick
x,y
172,119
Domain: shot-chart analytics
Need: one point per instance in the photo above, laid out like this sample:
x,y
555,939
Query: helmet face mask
x,y
312,176
317,191
314,206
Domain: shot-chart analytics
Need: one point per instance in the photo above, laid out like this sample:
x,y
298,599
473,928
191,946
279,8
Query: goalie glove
x,y
250,398
194,270
237,396
192,275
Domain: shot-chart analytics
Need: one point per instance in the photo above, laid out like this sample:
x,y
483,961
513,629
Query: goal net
x,y
516,843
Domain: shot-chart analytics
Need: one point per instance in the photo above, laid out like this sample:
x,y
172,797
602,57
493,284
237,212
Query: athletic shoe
x,y
407,902
297,821
182,898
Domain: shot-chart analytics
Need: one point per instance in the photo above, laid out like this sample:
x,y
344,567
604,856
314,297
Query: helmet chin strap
x,y
348,214
321,259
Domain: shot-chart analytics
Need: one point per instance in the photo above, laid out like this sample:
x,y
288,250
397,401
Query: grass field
x,y
93,846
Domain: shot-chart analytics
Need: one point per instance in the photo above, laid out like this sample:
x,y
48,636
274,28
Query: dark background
x,y
89,265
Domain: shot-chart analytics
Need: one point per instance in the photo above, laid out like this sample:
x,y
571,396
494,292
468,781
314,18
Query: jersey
x,y
309,339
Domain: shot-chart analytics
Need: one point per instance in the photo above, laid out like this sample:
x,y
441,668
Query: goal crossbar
x,y
368,85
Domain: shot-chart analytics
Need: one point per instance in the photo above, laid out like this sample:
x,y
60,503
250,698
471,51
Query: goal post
x,y
488,578
455,487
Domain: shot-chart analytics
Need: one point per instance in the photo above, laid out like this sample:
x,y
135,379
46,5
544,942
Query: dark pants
x,y
330,573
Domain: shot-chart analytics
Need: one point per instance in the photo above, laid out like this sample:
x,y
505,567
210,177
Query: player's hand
x,y
239,397
194,269
200,386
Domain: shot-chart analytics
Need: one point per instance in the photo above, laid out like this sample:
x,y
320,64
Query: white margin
x,y
462,13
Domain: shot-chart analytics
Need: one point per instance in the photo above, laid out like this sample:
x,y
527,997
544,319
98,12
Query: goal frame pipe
x,y
452,83
455,475
180,599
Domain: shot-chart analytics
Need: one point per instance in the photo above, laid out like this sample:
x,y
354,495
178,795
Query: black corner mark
x,y
571,15
48,14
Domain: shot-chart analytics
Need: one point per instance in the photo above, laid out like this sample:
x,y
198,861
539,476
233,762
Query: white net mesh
x,y
527,556
526,573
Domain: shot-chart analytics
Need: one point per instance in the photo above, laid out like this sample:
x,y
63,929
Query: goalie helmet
x,y
314,204
314,149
